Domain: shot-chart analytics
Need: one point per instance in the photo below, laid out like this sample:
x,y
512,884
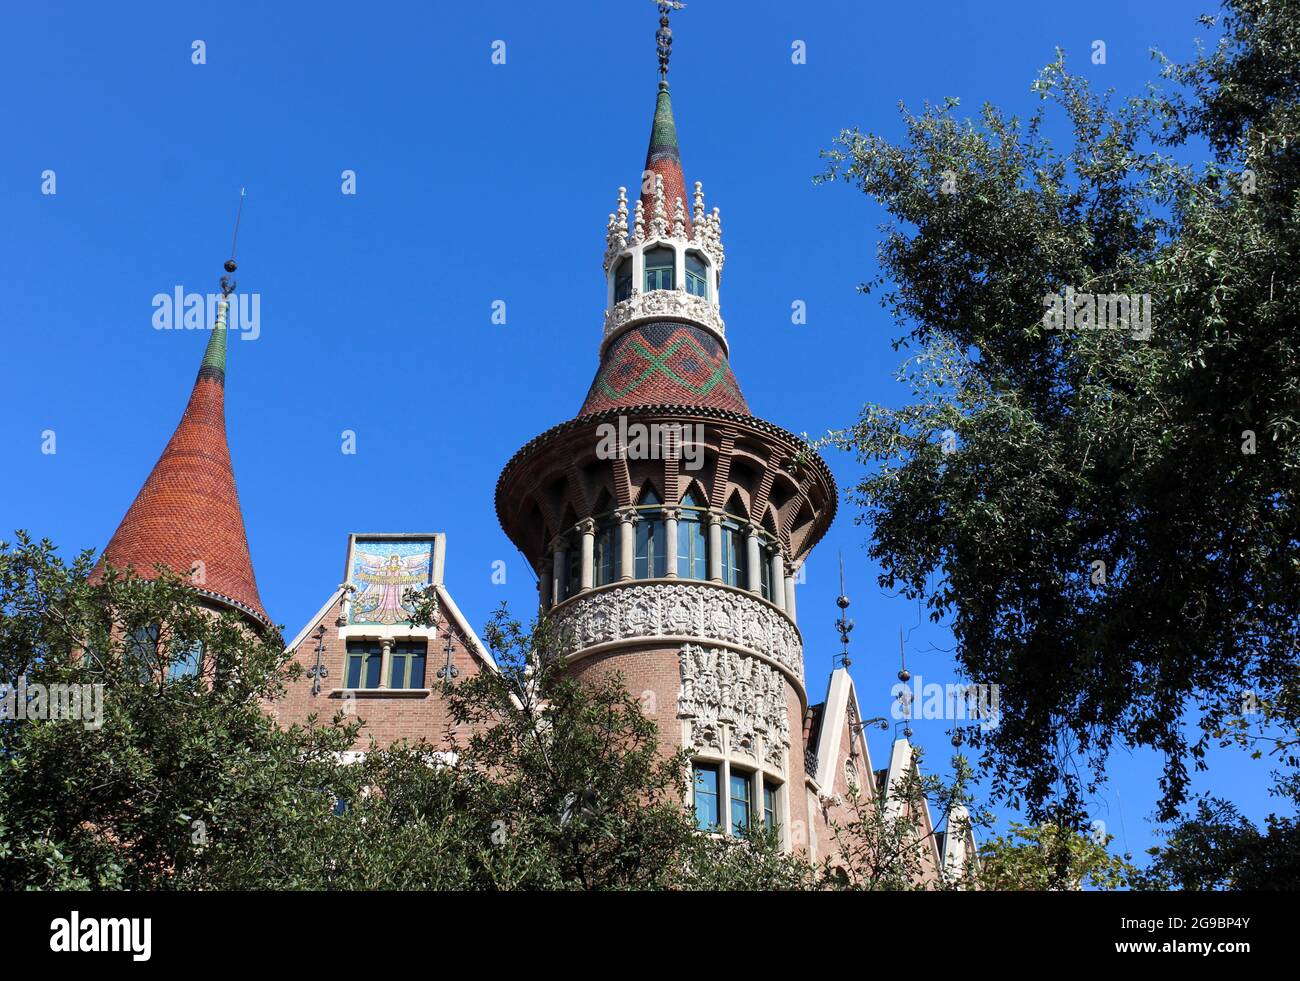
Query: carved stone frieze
x,y
683,609
722,687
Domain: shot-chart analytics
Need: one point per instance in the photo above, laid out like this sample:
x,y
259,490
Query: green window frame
x,y
365,664
408,660
660,269
697,275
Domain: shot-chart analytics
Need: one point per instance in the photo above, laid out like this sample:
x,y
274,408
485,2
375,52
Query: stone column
x,y
778,578
385,661
670,541
627,519
715,545
789,593
753,556
559,567
587,528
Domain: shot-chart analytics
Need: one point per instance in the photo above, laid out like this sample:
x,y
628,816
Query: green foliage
x,y
1049,857
1218,848
1078,448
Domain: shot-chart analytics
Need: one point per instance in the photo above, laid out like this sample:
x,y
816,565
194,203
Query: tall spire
x,y
663,159
187,516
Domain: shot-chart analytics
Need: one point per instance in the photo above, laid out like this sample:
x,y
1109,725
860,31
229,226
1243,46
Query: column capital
x,y
628,515
587,526
672,513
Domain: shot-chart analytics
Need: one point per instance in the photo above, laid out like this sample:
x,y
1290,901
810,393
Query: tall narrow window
x,y
706,797
741,789
697,275
408,660
659,268
623,280
765,571
573,575
692,541
769,805
604,551
735,571
650,537
365,660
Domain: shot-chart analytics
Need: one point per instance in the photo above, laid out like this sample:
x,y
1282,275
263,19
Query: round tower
x,y
667,523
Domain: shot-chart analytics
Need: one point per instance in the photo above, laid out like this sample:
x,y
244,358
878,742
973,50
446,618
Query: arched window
x,y
623,279
660,264
697,275
650,538
692,540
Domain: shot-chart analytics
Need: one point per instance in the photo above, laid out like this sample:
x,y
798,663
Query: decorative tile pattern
x,y
663,363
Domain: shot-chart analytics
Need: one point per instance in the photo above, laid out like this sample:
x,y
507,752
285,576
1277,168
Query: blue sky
x,y
475,183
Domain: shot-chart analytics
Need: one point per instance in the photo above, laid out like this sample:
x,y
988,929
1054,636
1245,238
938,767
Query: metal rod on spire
x,y
664,36
844,625
228,284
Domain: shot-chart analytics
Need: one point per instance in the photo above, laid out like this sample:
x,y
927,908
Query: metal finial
x,y
228,284
844,625
664,36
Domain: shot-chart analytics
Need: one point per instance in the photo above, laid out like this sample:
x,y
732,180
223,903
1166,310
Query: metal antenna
x,y
228,284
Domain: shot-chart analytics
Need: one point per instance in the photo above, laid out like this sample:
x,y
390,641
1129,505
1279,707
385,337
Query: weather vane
x,y
664,36
228,284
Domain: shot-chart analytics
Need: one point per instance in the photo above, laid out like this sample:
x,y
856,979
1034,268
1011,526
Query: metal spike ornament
x,y
664,36
844,625
905,676
228,284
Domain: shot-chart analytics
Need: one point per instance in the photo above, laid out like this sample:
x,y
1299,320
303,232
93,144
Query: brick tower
x,y
667,522
187,516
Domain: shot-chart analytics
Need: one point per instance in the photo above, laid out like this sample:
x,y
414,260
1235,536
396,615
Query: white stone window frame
x,y
758,775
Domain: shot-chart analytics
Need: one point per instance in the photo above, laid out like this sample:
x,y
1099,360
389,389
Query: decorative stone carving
x,y
722,687
664,303
692,609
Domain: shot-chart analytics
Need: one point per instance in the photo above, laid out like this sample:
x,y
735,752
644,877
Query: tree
x,y
1107,517
1048,857
1218,848
154,782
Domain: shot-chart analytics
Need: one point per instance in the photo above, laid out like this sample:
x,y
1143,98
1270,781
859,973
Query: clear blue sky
x,y
476,182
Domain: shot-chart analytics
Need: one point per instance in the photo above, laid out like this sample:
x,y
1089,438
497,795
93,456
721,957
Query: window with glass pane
x,y
734,557
706,797
603,552
623,280
765,572
187,660
659,265
365,661
692,547
769,805
650,538
407,671
573,576
142,648
697,275
740,795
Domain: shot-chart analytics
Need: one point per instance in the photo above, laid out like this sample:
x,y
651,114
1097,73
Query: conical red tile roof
x,y
188,510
